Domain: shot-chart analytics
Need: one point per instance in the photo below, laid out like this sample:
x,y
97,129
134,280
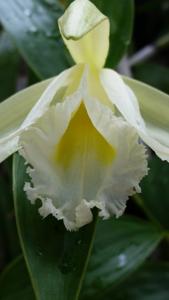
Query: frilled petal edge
x,y
81,156
130,163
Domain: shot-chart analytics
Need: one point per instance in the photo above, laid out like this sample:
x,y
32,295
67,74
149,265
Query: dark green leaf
x,y
33,26
120,247
150,283
10,243
153,74
15,283
56,258
155,191
9,59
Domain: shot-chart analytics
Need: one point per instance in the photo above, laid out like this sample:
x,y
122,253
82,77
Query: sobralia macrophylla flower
x,y
79,132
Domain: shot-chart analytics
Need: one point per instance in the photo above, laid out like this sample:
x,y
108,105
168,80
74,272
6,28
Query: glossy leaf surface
x,y
56,259
120,247
120,14
15,282
9,65
150,283
155,191
33,26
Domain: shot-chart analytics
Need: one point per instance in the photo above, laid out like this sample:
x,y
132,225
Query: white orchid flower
x,y
79,132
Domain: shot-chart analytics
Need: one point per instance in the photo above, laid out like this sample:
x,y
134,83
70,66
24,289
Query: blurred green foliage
x,y
129,259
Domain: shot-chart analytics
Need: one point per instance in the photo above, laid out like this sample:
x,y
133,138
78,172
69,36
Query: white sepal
x,y
13,111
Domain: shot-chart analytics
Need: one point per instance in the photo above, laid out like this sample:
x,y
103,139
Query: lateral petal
x,y
119,95
53,93
153,104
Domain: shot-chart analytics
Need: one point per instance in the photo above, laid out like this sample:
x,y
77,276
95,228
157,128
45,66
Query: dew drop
x,y
122,260
33,29
48,34
27,12
65,268
52,34
50,2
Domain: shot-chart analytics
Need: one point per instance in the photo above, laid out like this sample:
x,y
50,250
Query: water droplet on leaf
x,y
52,34
33,29
27,12
122,260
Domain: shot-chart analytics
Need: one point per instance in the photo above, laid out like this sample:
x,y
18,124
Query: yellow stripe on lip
x,y
82,139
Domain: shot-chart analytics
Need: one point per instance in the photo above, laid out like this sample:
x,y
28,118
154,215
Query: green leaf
x,y
150,283
153,74
33,26
155,191
9,60
120,247
10,245
56,259
34,29
15,283
121,14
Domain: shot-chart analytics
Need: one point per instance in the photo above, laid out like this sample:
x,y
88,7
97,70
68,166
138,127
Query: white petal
x,y
155,115
54,93
130,166
119,95
82,156
85,30
37,146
